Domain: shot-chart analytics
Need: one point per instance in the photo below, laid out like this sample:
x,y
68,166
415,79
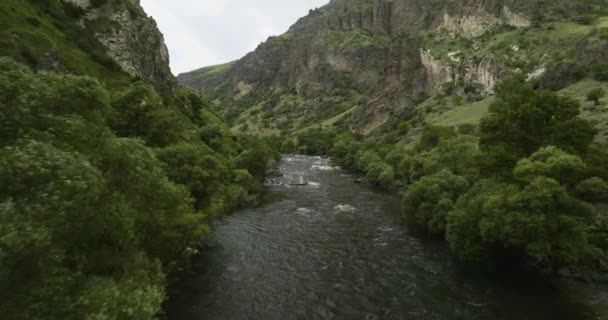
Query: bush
x,y
600,71
540,221
593,189
596,95
524,120
429,200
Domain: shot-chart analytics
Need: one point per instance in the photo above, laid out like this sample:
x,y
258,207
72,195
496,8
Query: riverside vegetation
x,y
525,187
110,171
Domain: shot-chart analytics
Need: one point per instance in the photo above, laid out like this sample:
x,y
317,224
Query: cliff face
x,y
131,39
325,39
383,49
121,29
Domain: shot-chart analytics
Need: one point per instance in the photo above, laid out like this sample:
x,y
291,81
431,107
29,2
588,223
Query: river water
x,y
336,249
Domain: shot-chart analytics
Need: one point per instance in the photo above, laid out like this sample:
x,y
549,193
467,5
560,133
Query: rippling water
x,y
335,249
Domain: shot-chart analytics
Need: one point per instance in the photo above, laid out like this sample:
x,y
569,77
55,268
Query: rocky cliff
x,y
130,37
389,51
106,39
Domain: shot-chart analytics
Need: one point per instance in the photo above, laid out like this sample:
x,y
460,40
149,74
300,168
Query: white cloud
x,y
205,32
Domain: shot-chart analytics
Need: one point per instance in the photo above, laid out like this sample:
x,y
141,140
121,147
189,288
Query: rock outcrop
x,y
132,39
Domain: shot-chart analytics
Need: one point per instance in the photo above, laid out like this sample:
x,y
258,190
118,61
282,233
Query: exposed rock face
x,y
484,72
479,20
134,41
370,45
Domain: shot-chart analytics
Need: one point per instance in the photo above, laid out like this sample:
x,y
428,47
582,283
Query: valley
x,y
382,159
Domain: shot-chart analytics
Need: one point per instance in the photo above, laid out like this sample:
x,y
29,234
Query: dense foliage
x,y
103,195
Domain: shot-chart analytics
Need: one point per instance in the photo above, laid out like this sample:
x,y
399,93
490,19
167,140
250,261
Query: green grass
x,y
597,114
205,73
30,29
255,129
524,48
328,122
353,40
446,113
281,41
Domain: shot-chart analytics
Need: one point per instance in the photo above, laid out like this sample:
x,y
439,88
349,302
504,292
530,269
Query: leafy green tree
x,y
396,155
551,162
90,224
61,227
463,231
195,166
593,190
459,155
345,149
365,158
523,120
540,221
432,135
255,161
315,141
166,220
387,178
139,112
429,200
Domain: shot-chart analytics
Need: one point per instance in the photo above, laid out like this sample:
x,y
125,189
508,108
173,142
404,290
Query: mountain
x,y
379,60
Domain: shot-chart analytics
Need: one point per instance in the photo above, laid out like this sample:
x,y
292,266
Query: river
x,y
337,249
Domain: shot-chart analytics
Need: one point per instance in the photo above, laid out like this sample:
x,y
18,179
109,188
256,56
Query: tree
x,y
523,120
593,190
432,135
344,150
197,167
255,161
596,95
551,162
166,220
540,221
463,222
91,224
429,200
62,233
459,155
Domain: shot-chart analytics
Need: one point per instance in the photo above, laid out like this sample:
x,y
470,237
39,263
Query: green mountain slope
x,y
393,55
110,170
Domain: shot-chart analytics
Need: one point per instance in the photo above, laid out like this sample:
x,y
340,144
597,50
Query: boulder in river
x,y
300,182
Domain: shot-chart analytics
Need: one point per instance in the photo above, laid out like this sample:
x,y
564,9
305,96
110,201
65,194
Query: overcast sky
x,y
206,32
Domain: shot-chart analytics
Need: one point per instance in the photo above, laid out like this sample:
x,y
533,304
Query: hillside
x,y
379,60
110,169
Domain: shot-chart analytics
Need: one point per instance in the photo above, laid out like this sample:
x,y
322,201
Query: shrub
x,y
596,95
429,200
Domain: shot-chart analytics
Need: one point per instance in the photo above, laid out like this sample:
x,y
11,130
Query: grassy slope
x,y
207,72
455,114
452,114
520,48
598,114
31,29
